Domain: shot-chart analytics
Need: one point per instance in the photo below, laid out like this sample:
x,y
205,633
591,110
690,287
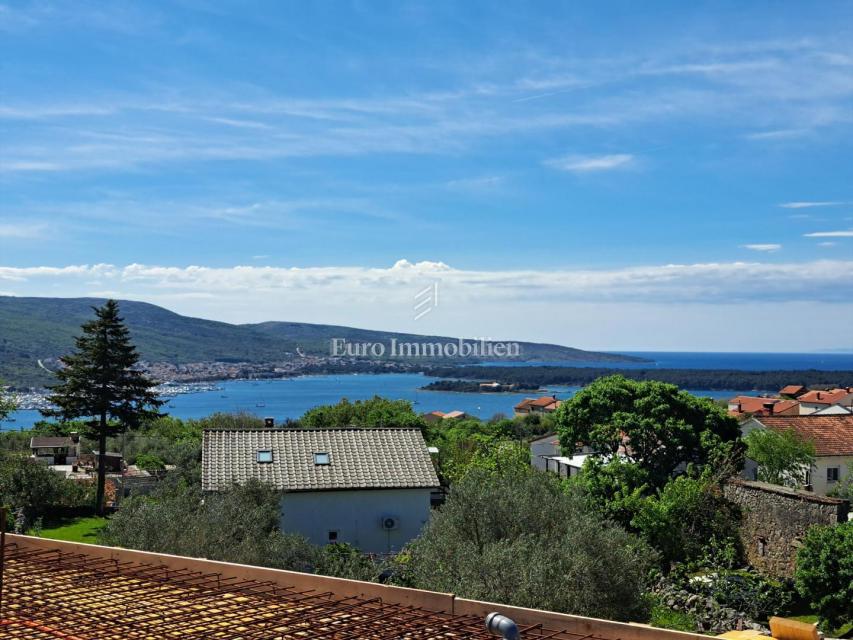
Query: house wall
x,y
560,468
775,519
356,516
543,447
817,473
832,410
808,408
819,483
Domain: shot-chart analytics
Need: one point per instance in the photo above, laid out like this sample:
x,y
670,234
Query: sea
x,y
292,397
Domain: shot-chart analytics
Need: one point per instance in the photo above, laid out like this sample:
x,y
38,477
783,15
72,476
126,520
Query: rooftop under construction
x,y
65,591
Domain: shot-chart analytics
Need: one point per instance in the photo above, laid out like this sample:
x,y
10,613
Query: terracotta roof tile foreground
x,y
831,435
85,592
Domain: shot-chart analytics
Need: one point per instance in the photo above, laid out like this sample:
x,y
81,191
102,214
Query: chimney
x,y
75,437
269,423
768,407
818,395
740,407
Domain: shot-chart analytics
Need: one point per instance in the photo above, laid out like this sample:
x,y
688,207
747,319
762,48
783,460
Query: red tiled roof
x,y
824,397
831,435
544,401
791,390
752,404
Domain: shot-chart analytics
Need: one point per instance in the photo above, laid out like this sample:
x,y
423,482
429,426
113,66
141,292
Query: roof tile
x,y
359,459
831,435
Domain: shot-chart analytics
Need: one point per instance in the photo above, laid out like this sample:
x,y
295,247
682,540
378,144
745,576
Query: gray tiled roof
x,y
37,442
359,459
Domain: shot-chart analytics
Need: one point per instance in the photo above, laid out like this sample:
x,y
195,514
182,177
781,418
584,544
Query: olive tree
x,y
518,539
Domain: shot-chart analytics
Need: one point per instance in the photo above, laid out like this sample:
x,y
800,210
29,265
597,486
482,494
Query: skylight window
x,y
264,456
322,458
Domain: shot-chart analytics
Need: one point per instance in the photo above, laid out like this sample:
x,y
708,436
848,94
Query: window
x,y
321,458
333,537
264,456
762,547
832,474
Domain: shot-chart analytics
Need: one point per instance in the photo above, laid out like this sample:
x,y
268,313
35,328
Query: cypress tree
x,y
101,381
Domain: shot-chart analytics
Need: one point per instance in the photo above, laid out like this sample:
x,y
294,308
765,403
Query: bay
x,y
292,397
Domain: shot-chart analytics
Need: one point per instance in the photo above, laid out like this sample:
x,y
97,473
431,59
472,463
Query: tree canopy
x,y
783,458
34,489
375,412
654,425
824,573
7,402
517,538
100,380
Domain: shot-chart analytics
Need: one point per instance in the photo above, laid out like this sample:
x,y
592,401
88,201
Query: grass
x,y
73,529
666,618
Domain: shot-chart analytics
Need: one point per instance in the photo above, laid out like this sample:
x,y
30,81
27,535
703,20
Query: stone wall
x,y
775,519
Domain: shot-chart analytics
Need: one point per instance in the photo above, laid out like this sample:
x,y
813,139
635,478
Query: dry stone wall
x,y
775,519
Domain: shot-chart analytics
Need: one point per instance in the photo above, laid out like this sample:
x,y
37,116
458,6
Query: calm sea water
x,y
292,397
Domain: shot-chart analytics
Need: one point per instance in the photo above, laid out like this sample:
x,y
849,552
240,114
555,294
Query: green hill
x,y
40,328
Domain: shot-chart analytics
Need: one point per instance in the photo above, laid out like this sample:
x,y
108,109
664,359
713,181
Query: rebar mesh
x,y
51,595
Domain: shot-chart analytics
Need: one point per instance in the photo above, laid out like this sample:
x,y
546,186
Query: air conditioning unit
x,y
389,523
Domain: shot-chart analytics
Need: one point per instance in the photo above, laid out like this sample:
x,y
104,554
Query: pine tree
x,y
7,402
100,380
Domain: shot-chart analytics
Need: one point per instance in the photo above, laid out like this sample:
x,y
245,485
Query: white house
x,y
832,436
542,448
817,400
366,487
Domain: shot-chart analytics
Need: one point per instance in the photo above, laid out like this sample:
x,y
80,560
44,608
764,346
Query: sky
x,y
609,175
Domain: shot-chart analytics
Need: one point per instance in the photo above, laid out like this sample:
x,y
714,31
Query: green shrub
x,y
824,573
687,515
237,525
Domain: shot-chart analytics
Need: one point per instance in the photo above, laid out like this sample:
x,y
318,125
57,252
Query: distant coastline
x,y
467,379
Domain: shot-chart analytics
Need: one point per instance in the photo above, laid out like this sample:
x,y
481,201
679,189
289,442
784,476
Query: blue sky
x,y
606,175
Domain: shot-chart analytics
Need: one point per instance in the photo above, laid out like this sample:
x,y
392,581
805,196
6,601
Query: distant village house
x,y
55,450
545,404
831,435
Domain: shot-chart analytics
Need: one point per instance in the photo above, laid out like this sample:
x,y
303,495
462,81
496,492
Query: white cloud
x,y
830,234
809,205
21,230
660,307
484,183
672,283
762,247
586,164
827,244
778,134
775,89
